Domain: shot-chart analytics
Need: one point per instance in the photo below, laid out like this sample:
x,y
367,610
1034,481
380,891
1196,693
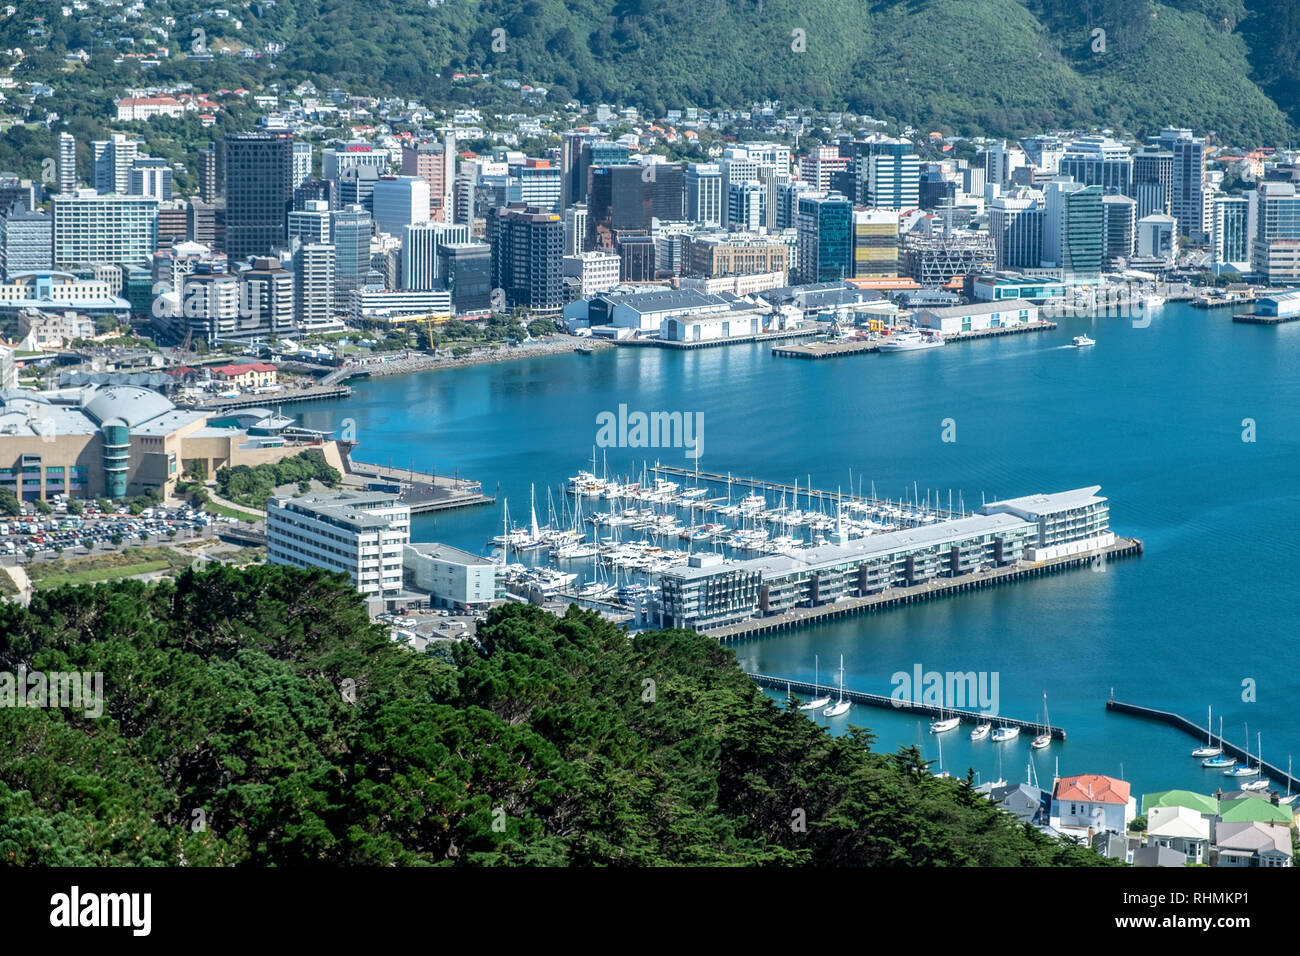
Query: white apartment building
x,y
361,534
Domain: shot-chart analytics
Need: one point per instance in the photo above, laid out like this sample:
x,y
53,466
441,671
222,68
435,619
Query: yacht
x,y
1082,341
841,706
818,701
944,724
1044,739
910,341
981,731
1003,734
1209,750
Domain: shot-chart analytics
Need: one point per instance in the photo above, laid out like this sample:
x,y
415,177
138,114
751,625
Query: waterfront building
x,y
451,577
314,288
1010,285
1067,522
643,311
465,269
713,327
735,253
591,272
1016,225
1092,803
1230,239
377,304
1118,229
1275,249
936,260
360,534
636,254
266,297
1072,227
259,192
977,316
1157,238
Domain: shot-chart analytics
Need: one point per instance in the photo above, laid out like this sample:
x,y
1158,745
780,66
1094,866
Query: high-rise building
x,y
1072,227
580,152
26,242
316,190
1045,152
636,256
206,223
825,238
1099,161
266,298
527,249
360,534
350,228
747,206
399,201
1157,238
575,228
887,173
111,161
787,203
875,243
534,182
819,168
1275,245
67,163
1153,180
420,243
435,163
590,273
150,176
703,186
259,192
618,199
210,304
94,228
1000,163
311,224
301,163
466,270
209,182
1188,186
356,186
1230,239
1118,228
314,285
341,156
15,190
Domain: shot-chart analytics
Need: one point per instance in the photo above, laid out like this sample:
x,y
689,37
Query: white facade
x,y
311,225
595,271
420,242
110,229
314,288
711,328
978,316
1157,237
397,306
400,201
360,534
453,578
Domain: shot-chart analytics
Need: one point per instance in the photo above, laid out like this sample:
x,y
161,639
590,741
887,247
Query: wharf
x,y
1254,318
836,349
1273,772
420,491
283,397
939,587
906,706
711,343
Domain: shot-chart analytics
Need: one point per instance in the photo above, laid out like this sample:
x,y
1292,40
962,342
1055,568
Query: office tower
x,y
578,154
15,190
1045,152
590,273
266,299
316,190
314,286
1275,245
1118,228
173,223
936,188
419,253
527,248
301,163
1187,203
435,163
150,176
210,303
888,173
342,156
93,228
1001,162
312,224
1099,161
206,223
356,187
747,206
788,196
209,181
67,163
1072,227
820,167
1153,180
636,255
111,161
825,239
466,270
667,188
875,243
399,201
1230,235
26,242
350,228
972,180
703,188
1157,238
575,228
536,183
259,191
617,199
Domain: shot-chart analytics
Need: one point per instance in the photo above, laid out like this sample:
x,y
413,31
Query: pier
x,y
837,349
282,397
1273,772
418,490
935,588
905,706
1255,318
711,343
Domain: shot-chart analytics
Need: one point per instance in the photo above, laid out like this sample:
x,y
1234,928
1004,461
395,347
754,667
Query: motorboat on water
x,y
1003,734
910,341
1082,341
981,731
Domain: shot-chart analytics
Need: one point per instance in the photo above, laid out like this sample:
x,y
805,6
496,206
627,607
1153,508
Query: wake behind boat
x,y
1082,341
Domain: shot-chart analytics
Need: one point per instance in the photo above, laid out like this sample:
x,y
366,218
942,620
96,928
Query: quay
x,y
898,596
806,493
711,343
1256,318
420,491
283,397
907,706
1274,773
836,349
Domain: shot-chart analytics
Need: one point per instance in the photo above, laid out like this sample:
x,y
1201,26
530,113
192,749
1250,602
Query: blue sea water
x,y
1153,415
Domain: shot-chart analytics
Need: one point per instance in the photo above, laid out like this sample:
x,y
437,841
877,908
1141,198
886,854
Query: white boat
x,y
1209,750
944,724
981,731
1082,341
841,706
820,701
910,341
1045,738
1245,770
1260,784
1290,797
942,774
1003,734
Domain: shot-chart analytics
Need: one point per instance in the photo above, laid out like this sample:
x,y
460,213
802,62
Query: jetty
x,y
1201,734
903,706
935,588
841,347
284,396
418,490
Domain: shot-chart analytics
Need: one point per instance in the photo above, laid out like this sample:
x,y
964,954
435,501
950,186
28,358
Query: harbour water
x,y
1155,415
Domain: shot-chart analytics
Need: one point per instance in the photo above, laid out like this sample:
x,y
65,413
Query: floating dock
x,y
839,348
903,706
935,588
1274,773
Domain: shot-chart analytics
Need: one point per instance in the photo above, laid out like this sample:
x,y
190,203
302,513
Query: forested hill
x,y
226,739
961,66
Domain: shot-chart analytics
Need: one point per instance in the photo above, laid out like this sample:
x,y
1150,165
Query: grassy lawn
x,y
222,511
105,567
7,586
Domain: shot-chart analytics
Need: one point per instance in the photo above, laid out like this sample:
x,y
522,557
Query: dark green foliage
x,y
225,706
252,486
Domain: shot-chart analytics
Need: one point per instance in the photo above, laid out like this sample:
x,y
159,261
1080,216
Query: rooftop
x,y
1092,788
446,552
1033,506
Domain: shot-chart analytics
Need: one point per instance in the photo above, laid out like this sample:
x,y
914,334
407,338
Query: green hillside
x,y
256,717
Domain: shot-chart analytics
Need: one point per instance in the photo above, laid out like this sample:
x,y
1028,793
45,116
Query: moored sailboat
x,y
841,706
1044,739
817,702
1209,750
